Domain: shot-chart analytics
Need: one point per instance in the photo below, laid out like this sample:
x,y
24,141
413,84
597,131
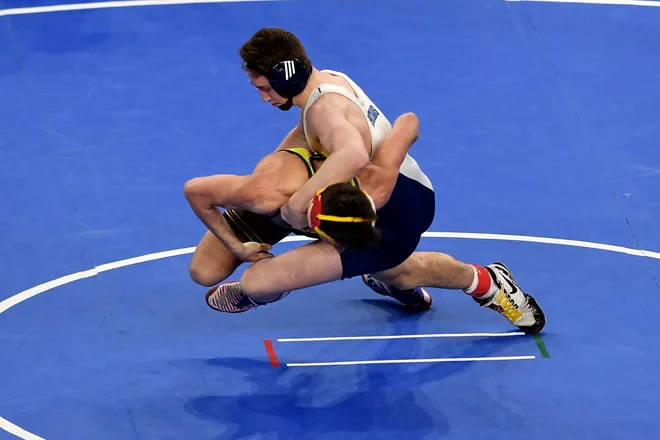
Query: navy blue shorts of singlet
x,y
407,215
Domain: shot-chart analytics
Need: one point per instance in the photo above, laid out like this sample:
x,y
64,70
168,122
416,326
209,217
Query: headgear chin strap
x,y
286,106
288,78
315,216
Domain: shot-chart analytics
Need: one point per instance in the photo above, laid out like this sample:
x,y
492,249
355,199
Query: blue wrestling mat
x,y
539,129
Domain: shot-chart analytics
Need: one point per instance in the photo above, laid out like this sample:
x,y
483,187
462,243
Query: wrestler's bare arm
x,y
393,149
220,190
379,177
345,145
270,185
205,195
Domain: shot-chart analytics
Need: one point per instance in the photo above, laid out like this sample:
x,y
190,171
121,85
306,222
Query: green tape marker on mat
x,y
541,345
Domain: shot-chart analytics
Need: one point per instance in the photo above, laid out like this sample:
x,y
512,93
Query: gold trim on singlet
x,y
235,219
305,156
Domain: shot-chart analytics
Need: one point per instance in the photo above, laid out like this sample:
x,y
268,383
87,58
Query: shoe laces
x,y
508,306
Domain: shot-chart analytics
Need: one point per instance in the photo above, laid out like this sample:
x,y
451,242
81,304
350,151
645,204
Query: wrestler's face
x,y
265,90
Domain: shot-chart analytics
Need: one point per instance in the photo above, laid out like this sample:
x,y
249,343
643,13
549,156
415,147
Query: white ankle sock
x,y
492,290
475,282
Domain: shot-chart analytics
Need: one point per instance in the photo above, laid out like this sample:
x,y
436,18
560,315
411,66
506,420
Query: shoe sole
x,y
212,290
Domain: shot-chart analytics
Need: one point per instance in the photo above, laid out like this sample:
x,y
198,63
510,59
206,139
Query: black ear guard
x,y
288,78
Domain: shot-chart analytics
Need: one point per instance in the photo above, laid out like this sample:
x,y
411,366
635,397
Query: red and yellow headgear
x,y
315,216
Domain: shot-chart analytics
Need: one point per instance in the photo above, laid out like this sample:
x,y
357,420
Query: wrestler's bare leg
x,y
429,269
492,286
309,265
212,262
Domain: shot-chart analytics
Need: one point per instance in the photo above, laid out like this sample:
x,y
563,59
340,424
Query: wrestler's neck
x,y
314,80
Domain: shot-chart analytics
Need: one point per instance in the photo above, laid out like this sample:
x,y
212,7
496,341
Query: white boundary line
x,y
18,431
545,240
41,288
647,3
410,361
141,3
112,4
420,336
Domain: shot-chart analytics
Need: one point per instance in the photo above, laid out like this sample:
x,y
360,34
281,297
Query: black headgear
x,y
288,78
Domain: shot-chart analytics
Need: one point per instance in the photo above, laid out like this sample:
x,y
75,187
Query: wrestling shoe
x,y
417,299
229,298
520,308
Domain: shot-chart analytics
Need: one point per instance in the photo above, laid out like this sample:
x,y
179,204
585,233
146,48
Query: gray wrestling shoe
x,y
417,299
520,308
229,298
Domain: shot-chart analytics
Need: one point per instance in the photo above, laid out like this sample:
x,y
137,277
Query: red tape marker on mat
x,y
271,353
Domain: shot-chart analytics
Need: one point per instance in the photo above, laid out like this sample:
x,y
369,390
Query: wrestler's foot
x,y
520,308
229,298
417,299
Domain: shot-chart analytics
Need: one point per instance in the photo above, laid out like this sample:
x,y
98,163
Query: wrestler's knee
x,y
202,275
252,281
258,286
207,274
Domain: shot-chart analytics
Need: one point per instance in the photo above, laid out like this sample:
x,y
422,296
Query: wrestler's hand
x,y
294,215
252,251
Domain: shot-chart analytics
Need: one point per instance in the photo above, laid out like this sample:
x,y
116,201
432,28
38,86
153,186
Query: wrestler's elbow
x,y
194,189
196,194
409,118
409,122
355,157
203,195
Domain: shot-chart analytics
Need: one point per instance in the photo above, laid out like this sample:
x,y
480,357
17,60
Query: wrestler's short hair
x,y
269,46
345,200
